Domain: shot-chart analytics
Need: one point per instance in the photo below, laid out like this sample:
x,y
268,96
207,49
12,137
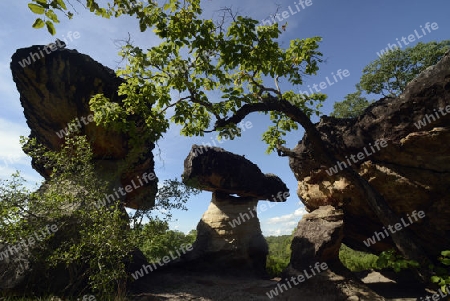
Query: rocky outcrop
x,y
13,267
318,238
410,166
55,88
229,236
214,169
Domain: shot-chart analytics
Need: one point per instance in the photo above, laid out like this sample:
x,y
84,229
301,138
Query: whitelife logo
x,y
48,230
48,49
146,177
166,259
279,17
323,85
430,118
319,267
361,156
244,217
76,124
411,38
436,296
228,135
398,226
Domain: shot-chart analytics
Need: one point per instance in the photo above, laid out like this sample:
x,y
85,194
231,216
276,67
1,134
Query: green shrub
x,y
391,259
276,265
357,261
157,240
93,242
279,254
442,273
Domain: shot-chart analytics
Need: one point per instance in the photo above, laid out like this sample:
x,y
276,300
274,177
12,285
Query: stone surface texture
x,y
56,89
412,172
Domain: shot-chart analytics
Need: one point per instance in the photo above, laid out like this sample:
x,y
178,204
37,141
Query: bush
x,y
93,242
157,240
442,272
357,261
279,254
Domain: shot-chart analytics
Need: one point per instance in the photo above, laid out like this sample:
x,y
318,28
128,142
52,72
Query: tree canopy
x,y
233,57
352,106
389,74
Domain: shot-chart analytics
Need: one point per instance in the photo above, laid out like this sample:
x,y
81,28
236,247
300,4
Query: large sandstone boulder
x,y
229,235
315,259
56,89
412,170
317,238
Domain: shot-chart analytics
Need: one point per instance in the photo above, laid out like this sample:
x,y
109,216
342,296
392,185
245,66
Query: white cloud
x,y
12,157
288,218
10,133
274,232
284,223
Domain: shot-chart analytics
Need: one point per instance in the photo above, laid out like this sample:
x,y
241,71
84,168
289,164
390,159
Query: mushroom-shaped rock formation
x,y
229,235
411,171
55,88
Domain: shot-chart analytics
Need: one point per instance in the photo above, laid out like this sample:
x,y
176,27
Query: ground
x,y
186,286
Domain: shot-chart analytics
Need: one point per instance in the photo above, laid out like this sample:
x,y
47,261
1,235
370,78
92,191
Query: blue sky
x,y
353,32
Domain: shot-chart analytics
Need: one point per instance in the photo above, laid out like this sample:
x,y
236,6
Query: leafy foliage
x,y
47,11
389,74
357,261
391,259
279,254
156,240
94,242
442,273
352,106
213,69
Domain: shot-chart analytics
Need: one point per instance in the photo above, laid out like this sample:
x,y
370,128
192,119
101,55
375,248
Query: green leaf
x,y
446,253
52,16
435,279
445,261
39,23
62,4
37,9
51,28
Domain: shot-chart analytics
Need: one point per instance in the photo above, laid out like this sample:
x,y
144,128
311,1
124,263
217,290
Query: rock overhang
x,y
54,90
217,170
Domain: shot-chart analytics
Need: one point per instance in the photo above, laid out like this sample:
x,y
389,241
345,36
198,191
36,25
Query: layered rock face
x,y
229,236
54,90
411,170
